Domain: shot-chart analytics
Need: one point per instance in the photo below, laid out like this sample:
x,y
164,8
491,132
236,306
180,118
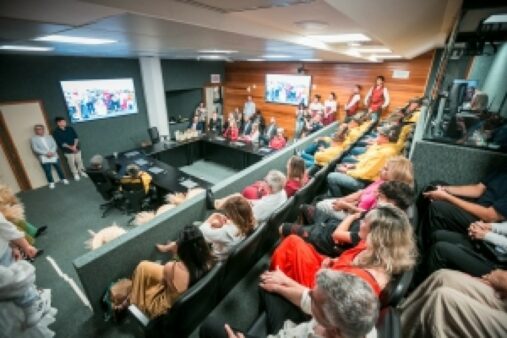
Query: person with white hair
x,y
264,207
341,306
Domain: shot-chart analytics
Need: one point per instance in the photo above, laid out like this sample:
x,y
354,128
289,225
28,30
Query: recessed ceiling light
x,y
311,25
26,48
352,52
255,60
496,18
217,51
337,38
211,57
311,60
276,56
388,56
354,44
372,50
75,39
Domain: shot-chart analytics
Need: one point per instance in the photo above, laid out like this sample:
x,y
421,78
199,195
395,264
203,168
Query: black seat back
x,y
103,183
134,195
397,288
154,135
241,259
190,309
388,324
270,230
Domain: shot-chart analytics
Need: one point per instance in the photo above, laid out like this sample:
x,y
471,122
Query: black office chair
x,y
154,135
135,196
189,310
108,189
396,289
241,259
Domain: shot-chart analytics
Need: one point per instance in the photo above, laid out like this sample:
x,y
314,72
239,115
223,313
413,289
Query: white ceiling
x,y
179,28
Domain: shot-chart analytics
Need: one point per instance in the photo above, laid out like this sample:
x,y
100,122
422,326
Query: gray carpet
x,y
70,211
209,171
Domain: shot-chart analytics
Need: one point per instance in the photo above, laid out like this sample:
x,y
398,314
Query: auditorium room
x,y
253,168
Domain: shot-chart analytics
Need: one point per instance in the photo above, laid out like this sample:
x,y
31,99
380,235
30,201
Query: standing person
x,y
44,146
354,101
300,120
316,106
201,112
330,109
377,98
269,131
68,141
249,108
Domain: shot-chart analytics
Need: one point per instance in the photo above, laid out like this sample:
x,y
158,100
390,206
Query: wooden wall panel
x,y
326,77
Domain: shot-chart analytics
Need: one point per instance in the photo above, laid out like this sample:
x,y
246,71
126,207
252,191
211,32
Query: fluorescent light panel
x,y
388,56
212,57
311,60
26,48
372,50
74,39
255,60
217,51
276,56
496,18
337,38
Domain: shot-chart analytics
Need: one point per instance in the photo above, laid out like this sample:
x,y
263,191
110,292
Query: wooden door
x,y
17,120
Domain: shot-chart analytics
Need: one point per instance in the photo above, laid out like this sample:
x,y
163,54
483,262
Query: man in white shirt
x,y
44,146
264,207
249,108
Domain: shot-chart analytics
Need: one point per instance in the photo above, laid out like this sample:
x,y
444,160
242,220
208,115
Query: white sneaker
x,y
83,174
51,185
65,181
34,313
76,177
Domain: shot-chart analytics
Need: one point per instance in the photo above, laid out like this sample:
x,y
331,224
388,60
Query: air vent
x,y
226,6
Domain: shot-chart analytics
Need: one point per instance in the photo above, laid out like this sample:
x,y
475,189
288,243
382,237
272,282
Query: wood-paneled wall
x,y
326,77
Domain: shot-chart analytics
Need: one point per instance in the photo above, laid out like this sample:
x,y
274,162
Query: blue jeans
x,y
309,159
357,151
349,159
337,182
49,174
26,297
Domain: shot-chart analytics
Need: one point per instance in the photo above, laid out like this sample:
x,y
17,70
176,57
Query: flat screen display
x,y
288,89
89,100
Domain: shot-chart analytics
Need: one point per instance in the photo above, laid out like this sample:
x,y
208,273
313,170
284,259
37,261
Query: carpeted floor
x,y
70,211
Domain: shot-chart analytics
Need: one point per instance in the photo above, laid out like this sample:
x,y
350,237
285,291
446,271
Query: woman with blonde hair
x,y
398,169
387,248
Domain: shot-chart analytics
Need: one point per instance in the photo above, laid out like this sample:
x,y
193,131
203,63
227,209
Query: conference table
x,y
163,160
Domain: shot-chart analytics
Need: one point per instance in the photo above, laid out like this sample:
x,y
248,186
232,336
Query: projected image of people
x,y
288,89
97,99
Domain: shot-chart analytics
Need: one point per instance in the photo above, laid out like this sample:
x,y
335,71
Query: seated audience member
x,y
223,231
264,207
239,121
196,124
332,236
269,131
352,177
246,127
155,287
388,249
322,143
296,176
232,131
454,304
215,123
313,124
34,304
300,120
134,175
252,136
259,119
397,168
230,117
14,211
278,141
97,166
470,254
451,209
341,305
44,147
353,103
330,109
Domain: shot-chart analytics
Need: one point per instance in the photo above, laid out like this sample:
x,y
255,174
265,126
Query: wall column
x,y
151,73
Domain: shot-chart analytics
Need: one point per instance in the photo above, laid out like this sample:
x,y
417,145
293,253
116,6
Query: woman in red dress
x,y
387,248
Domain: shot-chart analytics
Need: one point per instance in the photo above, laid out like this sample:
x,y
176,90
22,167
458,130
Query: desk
x,y
234,154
